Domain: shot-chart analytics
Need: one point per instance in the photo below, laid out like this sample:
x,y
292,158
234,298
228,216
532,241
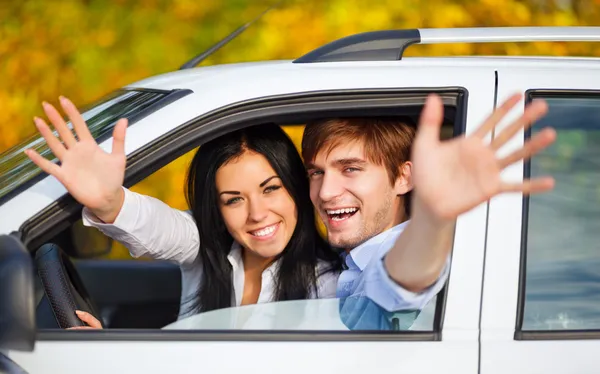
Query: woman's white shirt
x,y
148,227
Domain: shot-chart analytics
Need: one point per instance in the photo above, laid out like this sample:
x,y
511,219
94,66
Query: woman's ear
x,y
404,183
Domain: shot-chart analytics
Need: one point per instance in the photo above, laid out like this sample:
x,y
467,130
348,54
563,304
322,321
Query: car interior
x,y
73,273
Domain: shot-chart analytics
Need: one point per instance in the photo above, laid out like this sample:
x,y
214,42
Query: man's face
x,y
354,196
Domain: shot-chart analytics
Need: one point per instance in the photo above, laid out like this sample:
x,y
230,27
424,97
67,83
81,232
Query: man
x,y
362,176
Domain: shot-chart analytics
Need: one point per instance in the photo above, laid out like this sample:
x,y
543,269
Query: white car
x,y
523,295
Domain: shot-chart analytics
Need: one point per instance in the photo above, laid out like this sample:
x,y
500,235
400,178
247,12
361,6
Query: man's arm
x,y
419,255
452,177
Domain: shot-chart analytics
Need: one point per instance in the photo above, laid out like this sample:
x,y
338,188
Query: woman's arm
x,y
149,227
95,179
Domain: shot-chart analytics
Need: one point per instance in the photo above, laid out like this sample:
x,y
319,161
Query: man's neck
x,y
401,218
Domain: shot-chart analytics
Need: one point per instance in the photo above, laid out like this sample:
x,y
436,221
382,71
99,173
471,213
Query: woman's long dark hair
x,y
296,277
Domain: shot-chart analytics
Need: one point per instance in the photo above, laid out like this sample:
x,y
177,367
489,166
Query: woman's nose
x,y
258,210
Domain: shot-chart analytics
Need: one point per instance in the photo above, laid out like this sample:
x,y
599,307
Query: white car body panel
x,y
503,258
495,239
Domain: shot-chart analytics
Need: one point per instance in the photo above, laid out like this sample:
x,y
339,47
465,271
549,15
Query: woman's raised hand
x,y
93,177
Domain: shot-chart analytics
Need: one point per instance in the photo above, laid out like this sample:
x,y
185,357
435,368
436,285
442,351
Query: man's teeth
x,y
265,231
340,211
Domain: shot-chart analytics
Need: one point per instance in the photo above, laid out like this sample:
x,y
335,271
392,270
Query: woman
x,y
251,237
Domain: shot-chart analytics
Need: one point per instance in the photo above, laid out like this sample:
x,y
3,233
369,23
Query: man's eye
x,y
351,170
315,173
233,200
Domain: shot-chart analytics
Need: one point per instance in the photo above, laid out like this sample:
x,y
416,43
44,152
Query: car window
x,y
355,313
148,294
562,228
16,169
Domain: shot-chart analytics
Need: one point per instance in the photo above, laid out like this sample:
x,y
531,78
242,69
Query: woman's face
x,y
257,210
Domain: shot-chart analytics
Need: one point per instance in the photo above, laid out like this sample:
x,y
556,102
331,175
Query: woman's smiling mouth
x,y
266,232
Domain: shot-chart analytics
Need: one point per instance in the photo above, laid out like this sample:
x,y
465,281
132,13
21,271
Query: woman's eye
x,y
271,189
232,200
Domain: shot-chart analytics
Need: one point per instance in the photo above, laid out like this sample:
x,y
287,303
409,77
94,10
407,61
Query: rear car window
x,y
562,228
18,171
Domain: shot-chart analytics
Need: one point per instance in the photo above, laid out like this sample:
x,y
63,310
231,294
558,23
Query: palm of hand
x,y
453,177
92,175
456,176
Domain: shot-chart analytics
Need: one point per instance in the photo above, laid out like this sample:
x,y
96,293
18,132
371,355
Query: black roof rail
x,y
390,45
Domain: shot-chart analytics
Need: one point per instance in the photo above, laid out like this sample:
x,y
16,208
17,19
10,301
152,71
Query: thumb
x,y
89,319
119,131
430,121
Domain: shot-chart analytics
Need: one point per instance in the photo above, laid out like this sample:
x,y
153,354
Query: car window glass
x,y
563,226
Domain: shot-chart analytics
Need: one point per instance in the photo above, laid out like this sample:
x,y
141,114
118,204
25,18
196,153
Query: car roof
x,y
198,79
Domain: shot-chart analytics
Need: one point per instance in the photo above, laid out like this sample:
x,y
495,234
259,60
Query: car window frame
x,y
527,335
280,108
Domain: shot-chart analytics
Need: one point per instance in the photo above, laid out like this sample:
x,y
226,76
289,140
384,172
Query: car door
x,y
541,306
450,344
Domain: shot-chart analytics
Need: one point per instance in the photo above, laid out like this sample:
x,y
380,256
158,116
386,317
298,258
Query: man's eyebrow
x,y
349,161
267,180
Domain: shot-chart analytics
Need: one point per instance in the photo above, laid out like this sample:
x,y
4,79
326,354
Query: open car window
x,y
134,295
17,170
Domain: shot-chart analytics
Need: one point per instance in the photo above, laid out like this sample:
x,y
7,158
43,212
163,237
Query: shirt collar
x,y
362,255
237,263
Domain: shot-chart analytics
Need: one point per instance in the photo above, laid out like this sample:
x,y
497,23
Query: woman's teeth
x,y
264,232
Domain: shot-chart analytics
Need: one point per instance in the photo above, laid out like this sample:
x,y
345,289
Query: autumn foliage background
x,y
84,49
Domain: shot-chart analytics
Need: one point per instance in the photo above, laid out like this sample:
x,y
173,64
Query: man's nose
x,y
258,210
331,187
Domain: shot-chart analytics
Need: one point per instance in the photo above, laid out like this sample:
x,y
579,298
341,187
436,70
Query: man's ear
x,y
404,183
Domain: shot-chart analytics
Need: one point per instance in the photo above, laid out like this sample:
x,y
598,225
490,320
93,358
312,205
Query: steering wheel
x,y
63,286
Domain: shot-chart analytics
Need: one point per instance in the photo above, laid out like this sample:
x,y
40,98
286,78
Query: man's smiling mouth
x,y
341,214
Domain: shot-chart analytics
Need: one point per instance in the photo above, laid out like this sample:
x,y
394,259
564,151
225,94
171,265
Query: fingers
x,y
89,319
532,113
59,124
57,148
540,141
119,137
497,115
431,119
530,186
81,129
47,166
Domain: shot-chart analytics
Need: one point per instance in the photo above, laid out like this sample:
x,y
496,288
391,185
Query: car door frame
x,y
503,296
454,345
